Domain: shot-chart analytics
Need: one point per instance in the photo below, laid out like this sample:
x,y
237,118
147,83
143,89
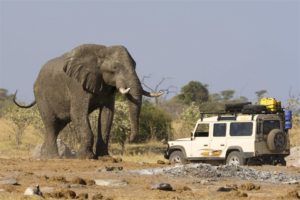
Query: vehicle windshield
x,y
202,130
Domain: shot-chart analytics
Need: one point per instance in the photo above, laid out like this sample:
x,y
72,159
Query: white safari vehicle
x,y
234,139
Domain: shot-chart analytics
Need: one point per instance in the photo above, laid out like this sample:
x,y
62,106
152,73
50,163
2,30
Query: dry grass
x,y
148,153
16,196
143,158
8,146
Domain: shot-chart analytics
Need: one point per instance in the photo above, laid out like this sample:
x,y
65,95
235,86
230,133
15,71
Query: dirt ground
x,y
66,176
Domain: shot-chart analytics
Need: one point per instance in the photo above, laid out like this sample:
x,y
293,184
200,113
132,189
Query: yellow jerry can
x,y
271,103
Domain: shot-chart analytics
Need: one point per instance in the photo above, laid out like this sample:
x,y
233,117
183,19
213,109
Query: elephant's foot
x,y
85,154
49,152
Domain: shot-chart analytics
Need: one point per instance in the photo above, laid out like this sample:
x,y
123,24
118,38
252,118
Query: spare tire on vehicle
x,y
254,109
277,140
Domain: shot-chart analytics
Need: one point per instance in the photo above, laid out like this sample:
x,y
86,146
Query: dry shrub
x,y
295,132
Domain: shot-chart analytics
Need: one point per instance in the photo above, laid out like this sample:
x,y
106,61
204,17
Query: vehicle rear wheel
x,y
177,157
235,158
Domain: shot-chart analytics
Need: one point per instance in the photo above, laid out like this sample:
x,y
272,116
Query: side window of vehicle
x,y
219,130
202,130
241,129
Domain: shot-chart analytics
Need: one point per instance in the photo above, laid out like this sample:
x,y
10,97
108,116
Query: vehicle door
x,y
218,142
201,141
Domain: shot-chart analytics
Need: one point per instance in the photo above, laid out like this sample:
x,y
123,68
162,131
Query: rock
x,y
241,194
90,182
58,179
98,196
224,189
9,181
249,187
161,162
162,186
78,180
82,196
233,187
112,168
206,171
63,150
67,194
33,191
111,182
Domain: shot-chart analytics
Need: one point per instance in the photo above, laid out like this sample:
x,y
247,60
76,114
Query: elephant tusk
x,y
124,91
153,94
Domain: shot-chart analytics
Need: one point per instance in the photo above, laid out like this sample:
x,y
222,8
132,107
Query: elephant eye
x,y
115,67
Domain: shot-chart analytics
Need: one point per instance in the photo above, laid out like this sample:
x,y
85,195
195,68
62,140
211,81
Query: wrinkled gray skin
x,y
70,87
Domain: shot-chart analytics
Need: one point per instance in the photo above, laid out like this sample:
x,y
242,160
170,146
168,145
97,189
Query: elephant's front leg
x,y
82,127
105,119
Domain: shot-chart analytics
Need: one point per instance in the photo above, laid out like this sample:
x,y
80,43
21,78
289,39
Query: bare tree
x,y
158,87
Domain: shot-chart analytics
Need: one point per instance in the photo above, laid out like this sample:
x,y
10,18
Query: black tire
x,y
277,140
177,157
282,161
235,158
254,109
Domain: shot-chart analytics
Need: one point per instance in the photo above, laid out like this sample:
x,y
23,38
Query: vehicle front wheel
x,y
177,157
235,158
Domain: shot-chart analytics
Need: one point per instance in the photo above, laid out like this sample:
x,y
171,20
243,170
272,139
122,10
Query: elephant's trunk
x,y
134,102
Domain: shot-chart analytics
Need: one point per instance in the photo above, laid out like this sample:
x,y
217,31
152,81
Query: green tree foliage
x,y
194,91
23,118
154,123
121,123
227,94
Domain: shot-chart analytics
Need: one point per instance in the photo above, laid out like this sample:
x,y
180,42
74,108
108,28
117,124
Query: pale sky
x,y
242,45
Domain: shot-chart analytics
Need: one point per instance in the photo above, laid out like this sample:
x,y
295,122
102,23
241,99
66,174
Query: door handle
x,y
222,145
206,145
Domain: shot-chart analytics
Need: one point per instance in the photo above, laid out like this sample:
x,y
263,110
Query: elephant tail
x,y
22,106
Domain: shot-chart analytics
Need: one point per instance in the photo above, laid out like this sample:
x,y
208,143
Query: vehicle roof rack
x,y
219,114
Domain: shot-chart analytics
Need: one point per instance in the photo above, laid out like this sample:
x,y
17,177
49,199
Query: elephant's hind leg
x,y
49,148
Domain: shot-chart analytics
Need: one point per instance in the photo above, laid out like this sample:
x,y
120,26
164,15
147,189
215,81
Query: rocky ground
x,y
111,178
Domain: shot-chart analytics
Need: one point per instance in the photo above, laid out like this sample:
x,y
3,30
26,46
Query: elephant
x,y
70,87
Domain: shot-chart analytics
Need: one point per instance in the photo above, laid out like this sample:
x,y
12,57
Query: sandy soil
x,y
61,175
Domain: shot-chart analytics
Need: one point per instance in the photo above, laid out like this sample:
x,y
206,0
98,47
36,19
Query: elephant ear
x,y
83,65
